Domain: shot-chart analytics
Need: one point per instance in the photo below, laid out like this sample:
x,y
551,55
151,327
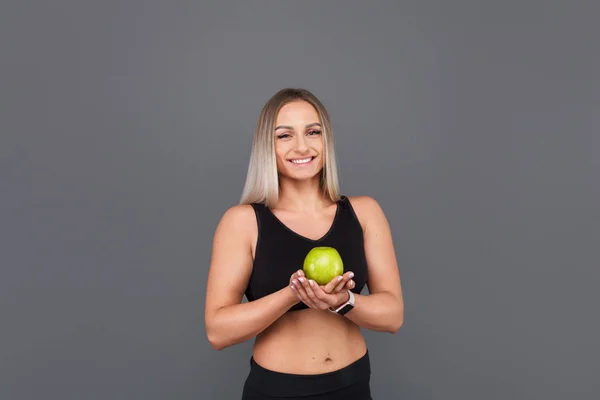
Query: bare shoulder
x,y
238,215
238,220
366,208
363,202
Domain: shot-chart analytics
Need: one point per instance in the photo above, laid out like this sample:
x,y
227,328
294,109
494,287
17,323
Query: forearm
x,y
238,323
378,311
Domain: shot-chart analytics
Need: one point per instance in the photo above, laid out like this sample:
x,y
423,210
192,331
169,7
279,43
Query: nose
x,y
301,144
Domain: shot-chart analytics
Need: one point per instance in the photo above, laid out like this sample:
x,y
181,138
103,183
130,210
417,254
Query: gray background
x,y
125,134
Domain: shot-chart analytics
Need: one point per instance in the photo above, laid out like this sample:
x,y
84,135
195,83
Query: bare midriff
x,y
309,342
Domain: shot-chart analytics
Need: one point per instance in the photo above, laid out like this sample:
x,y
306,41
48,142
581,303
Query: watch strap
x,y
345,307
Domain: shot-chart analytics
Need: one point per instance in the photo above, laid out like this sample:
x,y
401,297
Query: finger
x,y
340,286
350,284
308,286
303,297
321,298
343,283
295,289
327,300
299,289
330,287
295,275
303,288
319,292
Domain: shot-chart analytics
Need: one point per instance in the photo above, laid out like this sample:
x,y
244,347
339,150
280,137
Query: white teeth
x,y
302,161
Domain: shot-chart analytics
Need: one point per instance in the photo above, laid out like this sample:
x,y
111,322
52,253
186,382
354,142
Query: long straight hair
x,y
262,179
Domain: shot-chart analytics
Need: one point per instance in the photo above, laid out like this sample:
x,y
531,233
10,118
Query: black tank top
x,y
280,251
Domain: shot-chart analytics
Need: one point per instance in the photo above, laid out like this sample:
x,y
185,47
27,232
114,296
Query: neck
x,y
304,196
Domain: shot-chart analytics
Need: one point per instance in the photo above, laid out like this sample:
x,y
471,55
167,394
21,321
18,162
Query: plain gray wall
x,y
125,134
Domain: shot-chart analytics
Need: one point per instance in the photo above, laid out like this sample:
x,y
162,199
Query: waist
x,y
280,384
309,342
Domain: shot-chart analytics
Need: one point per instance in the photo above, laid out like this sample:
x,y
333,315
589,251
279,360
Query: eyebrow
x,y
292,128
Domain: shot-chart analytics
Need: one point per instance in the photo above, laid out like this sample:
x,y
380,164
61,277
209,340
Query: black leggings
x,y
349,383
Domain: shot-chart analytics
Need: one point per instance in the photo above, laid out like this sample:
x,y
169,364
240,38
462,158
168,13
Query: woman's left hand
x,y
319,297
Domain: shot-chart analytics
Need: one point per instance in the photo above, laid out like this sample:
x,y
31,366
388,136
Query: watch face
x,y
345,309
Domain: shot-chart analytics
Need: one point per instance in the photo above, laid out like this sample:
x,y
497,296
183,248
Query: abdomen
x,y
309,342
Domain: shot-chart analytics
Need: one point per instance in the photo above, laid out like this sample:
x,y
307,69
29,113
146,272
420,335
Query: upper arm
x,y
231,259
383,272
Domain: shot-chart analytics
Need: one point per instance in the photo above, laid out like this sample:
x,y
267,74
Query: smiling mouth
x,y
302,161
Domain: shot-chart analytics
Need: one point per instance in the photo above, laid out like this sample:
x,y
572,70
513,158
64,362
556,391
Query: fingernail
x,y
312,283
339,278
293,287
301,279
351,274
295,282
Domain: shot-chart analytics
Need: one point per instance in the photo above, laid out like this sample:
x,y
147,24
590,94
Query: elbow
x,y
215,338
392,325
216,341
394,328
219,340
217,346
397,323
395,316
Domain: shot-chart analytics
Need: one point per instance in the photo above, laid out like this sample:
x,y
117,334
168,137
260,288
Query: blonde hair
x,y
262,179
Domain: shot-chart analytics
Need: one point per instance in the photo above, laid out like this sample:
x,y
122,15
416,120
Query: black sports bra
x,y
280,251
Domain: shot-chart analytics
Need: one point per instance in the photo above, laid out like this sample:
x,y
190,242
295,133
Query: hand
x,y
321,297
340,283
343,282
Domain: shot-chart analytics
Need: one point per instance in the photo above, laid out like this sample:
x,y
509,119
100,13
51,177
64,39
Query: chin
x,y
304,176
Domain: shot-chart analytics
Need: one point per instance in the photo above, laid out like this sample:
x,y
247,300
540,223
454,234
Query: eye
x,y
283,135
314,132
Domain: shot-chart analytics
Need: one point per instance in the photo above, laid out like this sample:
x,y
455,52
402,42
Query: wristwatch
x,y
347,306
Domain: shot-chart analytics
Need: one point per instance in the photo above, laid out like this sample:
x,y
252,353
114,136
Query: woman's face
x,y
298,141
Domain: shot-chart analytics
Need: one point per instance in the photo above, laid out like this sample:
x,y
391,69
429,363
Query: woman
x,y
308,341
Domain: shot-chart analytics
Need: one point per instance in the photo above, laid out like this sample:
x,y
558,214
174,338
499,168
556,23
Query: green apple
x,y
322,264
